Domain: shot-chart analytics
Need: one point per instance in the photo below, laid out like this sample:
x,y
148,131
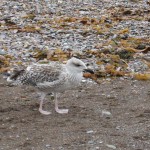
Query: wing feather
x,y
42,73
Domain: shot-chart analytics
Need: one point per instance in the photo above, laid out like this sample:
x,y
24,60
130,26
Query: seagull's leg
x,y
41,104
60,111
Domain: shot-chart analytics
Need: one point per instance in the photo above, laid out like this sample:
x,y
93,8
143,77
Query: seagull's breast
x,y
74,80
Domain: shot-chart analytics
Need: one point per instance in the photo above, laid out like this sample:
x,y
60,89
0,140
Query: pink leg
x,y
41,104
60,111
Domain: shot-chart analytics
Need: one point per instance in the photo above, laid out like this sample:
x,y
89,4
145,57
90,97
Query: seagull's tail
x,y
13,74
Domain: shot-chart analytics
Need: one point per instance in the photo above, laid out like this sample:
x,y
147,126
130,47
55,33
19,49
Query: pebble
x,y
84,12
48,145
2,58
147,57
104,112
91,142
118,128
61,148
111,146
2,52
108,79
90,131
141,47
83,80
17,136
100,142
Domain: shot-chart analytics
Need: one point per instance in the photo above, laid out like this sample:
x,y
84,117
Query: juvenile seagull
x,y
51,78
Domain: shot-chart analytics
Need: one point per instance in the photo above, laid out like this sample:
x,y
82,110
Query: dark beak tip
x,y
88,71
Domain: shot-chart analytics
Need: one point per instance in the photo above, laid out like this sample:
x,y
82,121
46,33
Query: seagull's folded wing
x,y
43,74
54,84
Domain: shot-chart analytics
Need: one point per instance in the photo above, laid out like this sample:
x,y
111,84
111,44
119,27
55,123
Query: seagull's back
x,y
39,73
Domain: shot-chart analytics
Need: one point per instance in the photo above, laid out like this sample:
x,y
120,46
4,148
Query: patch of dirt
x,y
112,115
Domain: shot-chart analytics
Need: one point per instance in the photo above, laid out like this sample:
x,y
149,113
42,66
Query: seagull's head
x,y
75,65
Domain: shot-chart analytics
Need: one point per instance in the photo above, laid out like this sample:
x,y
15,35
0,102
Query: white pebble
x,y
104,112
47,145
90,131
100,142
111,146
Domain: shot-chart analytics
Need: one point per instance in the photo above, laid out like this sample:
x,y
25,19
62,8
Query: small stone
x,y
60,148
83,12
90,131
47,145
17,136
118,128
111,146
104,112
2,52
100,142
124,37
108,79
141,46
60,1
26,44
83,81
90,142
15,31
2,58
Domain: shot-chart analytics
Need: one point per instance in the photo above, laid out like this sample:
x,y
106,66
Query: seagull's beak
x,y
88,71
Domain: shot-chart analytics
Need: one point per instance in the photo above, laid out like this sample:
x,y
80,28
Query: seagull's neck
x,y
73,74
75,78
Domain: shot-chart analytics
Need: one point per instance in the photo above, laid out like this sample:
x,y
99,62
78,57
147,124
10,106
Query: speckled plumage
x,y
50,78
46,77
39,73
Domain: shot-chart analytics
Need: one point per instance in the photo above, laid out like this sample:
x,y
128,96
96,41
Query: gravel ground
x,y
52,33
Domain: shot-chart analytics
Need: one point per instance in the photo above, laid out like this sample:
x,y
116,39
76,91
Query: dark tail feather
x,y
14,74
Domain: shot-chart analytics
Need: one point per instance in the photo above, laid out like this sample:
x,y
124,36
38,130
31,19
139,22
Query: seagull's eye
x,y
77,65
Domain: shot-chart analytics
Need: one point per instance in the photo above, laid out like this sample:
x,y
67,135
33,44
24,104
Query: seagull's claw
x,y
44,112
62,111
